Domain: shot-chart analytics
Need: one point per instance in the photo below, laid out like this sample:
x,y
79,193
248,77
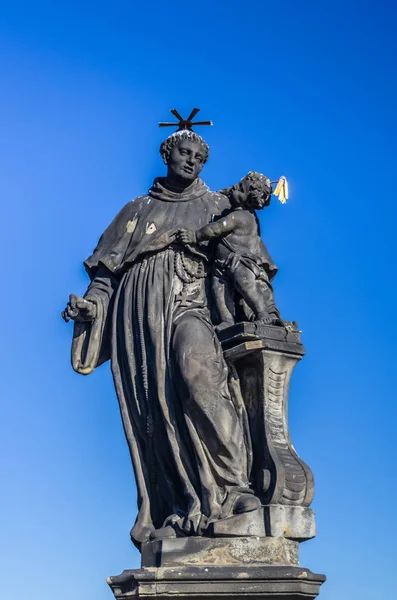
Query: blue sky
x,y
305,89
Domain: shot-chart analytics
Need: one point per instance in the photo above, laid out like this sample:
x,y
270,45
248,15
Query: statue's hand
x,y
186,236
78,309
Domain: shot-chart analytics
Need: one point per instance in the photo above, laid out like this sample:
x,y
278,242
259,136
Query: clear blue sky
x,y
305,89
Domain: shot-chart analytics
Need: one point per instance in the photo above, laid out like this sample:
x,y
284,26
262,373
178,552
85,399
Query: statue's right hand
x,y
78,309
186,236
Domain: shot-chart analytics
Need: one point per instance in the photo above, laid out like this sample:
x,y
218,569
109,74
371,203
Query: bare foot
x,y
269,319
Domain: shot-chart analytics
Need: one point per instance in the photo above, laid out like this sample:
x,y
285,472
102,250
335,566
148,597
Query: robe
x,y
181,407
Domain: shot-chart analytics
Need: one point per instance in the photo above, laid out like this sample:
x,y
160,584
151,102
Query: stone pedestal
x,y
220,552
217,583
256,554
210,568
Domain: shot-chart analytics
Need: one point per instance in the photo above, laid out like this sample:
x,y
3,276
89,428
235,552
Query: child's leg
x,y
257,292
224,300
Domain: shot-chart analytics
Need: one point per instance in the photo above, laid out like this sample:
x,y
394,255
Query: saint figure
x,y
147,309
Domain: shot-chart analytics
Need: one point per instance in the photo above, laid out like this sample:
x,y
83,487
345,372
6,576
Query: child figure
x,y
242,263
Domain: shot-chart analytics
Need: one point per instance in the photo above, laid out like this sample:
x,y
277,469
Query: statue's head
x,y
253,191
185,153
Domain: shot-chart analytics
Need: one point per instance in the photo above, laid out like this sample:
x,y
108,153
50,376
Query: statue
x,y
242,262
180,287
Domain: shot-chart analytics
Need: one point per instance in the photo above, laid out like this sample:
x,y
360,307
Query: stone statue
x,y
242,263
172,278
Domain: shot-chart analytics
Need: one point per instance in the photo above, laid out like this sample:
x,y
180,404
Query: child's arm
x,y
217,228
213,230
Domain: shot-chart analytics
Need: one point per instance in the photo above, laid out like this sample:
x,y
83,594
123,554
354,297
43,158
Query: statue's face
x,y
185,161
256,200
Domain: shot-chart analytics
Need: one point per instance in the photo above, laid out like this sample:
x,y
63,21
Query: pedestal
x,y
221,552
213,583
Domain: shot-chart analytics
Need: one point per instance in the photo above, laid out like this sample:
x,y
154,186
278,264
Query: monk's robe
x,y
182,412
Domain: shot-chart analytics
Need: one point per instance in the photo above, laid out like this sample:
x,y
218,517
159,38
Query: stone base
x,y
292,522
207,552
218,568
217,583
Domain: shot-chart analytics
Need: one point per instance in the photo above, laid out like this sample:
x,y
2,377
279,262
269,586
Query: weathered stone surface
x,y
251,524
291,522
200,551
213,583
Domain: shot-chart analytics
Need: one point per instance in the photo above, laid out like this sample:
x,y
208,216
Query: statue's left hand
x,y
186,236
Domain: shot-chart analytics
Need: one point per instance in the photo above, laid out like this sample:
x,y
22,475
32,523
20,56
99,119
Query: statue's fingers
x,y
72,312
73,300
65,316
69,314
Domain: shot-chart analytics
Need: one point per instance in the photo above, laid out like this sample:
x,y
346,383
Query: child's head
x,y
253,191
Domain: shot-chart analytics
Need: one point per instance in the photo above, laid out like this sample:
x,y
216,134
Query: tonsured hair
x,y
184,134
